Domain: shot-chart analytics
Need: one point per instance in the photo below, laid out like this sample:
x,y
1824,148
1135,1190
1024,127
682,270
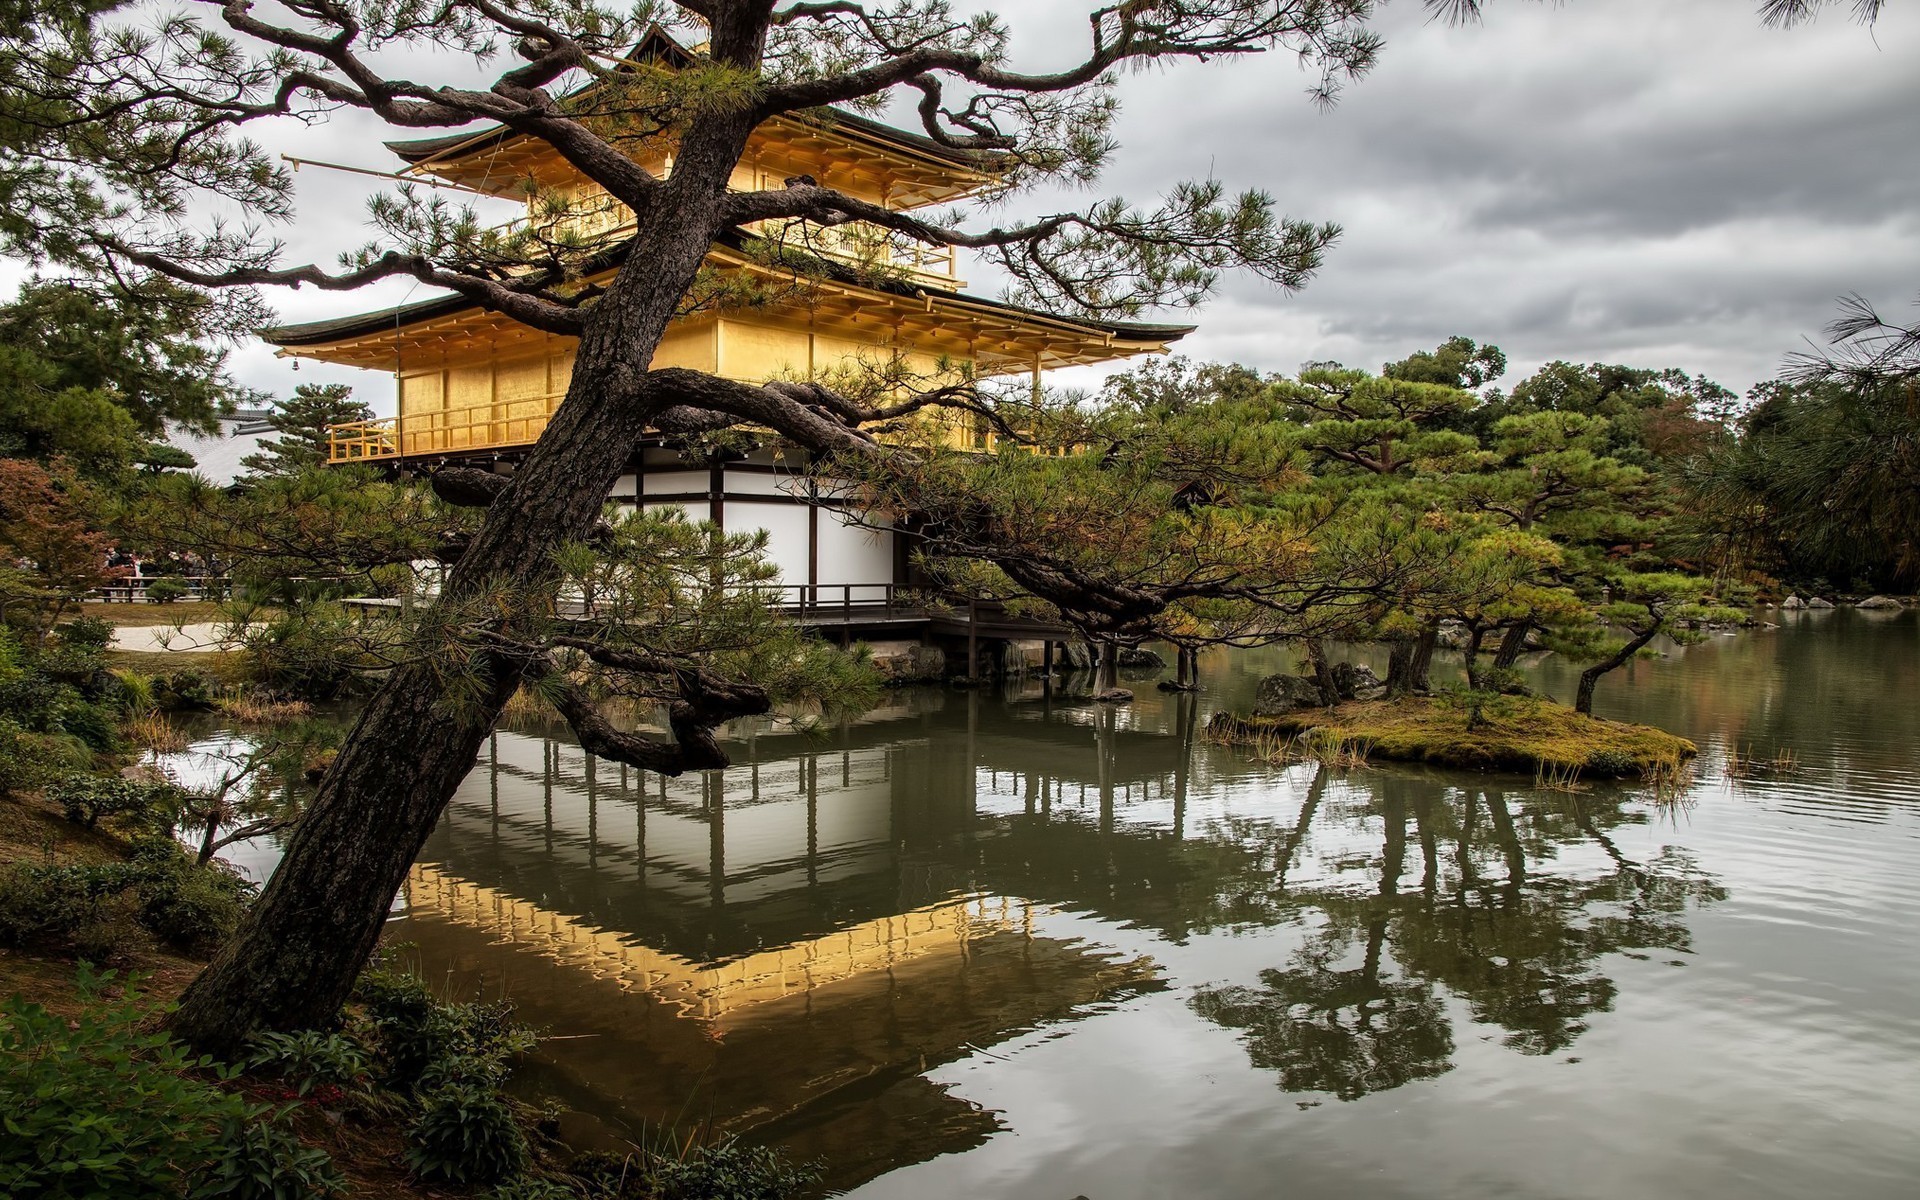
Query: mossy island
x,y
1523,734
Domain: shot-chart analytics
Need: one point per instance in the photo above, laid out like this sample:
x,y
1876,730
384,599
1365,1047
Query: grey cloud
x,y
1634,180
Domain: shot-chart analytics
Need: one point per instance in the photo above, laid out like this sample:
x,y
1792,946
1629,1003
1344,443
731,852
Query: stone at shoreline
x,y
1356,681
910,664
1140,656
1282,694
1452,635
1887,602
1818,602
1114,696
1793,602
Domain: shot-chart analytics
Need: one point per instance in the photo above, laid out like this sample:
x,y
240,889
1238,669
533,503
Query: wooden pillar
x,y
813,545
973,639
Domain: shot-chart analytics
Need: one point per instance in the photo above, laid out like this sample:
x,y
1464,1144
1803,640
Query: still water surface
x,y
1017,945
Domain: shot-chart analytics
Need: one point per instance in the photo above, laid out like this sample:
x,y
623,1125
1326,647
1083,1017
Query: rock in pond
x,y
1887,602
1357,681
1793,602
1818,602
1114,696
1279,695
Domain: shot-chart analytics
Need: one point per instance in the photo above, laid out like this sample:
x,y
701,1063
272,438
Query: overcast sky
x,y
1637,181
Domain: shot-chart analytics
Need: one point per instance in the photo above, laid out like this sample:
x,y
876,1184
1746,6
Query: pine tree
x,y
302,422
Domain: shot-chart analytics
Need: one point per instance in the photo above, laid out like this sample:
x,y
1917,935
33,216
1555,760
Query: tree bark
x,y
1323,672
1583,699
294,959
1109,666
1420,670
1512,645
1399,667
1470,656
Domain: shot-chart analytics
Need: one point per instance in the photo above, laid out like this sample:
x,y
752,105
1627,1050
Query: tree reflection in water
x,y
1523,948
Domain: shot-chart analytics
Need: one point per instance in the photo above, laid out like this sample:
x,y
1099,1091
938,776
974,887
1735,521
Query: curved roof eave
x,y
315,333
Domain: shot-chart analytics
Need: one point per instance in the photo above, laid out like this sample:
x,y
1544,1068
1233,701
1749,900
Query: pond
x,y
1014,944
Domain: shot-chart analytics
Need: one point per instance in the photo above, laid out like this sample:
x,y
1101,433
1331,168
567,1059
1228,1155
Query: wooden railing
x,y
521,422
441,431
133,588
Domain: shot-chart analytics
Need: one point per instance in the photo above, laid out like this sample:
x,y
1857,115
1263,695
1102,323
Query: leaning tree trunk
x,y
1583,698
1420,670
1323,672
1511,646
1109,678
294,959
1470,656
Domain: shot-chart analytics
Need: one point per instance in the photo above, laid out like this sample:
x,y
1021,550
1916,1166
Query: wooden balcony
x,y
447,431
520,423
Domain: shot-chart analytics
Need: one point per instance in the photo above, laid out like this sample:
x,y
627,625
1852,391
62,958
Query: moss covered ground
x,y
1518,734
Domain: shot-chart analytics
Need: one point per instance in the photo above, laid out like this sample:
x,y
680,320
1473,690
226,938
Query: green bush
x,y
94,908
259,1161
30,760
166,591
96,1106
315,652
90,909
94,724
187,691
193,908
528,1188
732,1170
86,799
424,1043
726,1170
466,1134
310,1058
85,634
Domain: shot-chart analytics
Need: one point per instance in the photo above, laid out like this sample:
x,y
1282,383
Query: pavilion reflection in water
x,y
784,947
790,946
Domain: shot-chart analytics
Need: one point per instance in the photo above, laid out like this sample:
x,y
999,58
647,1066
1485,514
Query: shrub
x,y
528,1188
310,1058
311,653
88,907
94,908
89,635
194,908
31,760
425,1043
466,1134
92,723
259,1161
725,1170
96,1106
732,1170
86,799
187,691
166,591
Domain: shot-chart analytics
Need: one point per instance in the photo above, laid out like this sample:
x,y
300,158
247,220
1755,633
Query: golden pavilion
x,y
478,388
